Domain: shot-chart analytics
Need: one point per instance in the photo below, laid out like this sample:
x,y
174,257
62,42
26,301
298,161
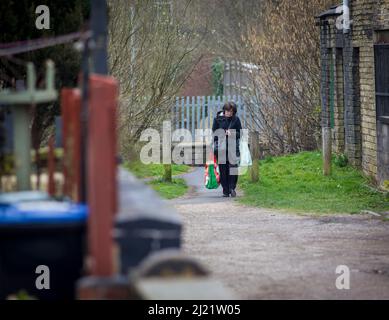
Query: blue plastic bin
x,y
38,231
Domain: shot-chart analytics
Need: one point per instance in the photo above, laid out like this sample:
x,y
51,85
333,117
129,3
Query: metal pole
x,y
84,121
21,131
99,22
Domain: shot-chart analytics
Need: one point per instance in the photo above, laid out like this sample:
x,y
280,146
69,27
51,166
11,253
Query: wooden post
x,y
167,151
327,151
101,173
255,154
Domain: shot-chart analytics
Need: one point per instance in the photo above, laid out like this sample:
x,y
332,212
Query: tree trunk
x,y
167,172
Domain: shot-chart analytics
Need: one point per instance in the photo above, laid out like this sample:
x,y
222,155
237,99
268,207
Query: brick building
x,y
355,83
199,82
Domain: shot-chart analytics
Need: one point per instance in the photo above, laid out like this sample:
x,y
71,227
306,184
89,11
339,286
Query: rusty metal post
x,y
101,173
65,121
51,167
71,132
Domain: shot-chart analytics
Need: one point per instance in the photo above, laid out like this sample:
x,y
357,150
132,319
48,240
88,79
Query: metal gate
x,y
381,52
193,113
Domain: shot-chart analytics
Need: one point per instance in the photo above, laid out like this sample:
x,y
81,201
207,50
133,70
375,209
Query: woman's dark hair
x,y
230,106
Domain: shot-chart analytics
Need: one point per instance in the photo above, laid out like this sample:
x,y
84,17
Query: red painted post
x,y
101,173
51,167
65,97
71,133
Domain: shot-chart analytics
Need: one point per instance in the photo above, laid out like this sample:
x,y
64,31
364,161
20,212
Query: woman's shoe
x,y
226,195
233,193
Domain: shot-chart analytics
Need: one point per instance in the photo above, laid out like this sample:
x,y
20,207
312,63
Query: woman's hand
x,y
228,133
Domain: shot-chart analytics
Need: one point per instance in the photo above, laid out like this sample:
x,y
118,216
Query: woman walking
x,y
226,132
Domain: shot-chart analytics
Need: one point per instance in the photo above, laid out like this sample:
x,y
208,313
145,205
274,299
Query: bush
x,y
268,159
341,160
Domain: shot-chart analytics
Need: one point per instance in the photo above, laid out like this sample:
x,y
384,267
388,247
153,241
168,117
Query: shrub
x,y
341,160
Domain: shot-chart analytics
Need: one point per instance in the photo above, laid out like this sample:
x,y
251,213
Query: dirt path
x,y
265,254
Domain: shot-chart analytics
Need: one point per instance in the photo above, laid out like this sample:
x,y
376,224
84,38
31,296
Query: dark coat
x,y
222,122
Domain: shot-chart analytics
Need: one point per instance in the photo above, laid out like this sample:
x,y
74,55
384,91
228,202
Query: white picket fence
x,y
193,113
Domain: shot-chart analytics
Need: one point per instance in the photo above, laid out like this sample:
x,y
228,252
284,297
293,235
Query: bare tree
x,y
228,24
281,41
153,48
287,87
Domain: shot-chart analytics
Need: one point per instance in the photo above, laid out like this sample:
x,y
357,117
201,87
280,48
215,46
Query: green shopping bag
x,y
212,175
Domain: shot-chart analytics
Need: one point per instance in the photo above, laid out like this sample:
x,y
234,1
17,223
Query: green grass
x,y
296,183
141,170
169,190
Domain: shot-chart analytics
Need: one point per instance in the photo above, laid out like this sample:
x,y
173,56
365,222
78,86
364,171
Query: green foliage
x,y
340,160
296,183
169,190
8,162
217,77
268,159
21,295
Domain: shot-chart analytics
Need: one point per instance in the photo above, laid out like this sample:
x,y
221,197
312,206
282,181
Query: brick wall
x,y
362,14
355,125
381,15
324,87
199,82
352,88
339,129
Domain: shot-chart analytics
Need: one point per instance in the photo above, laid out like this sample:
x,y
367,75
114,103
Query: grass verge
x,y
296,183
169,190
141,170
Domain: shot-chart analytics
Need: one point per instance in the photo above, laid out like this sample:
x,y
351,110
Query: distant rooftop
x,y
331,12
